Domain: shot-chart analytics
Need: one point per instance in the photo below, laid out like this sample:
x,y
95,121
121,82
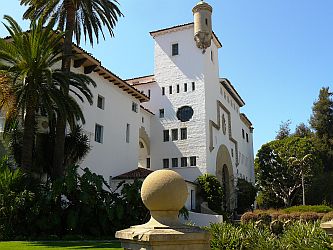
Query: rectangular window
x,y
183,162
135,107
165,163
185,87
148,162
247,137
148,92
175,49
170,90
163,91
192,199
128,127
211,56
243,133
161,113
100,102
98,133
175,162
166,135
174,134
143,119
193,161
183,133
177,88
193,86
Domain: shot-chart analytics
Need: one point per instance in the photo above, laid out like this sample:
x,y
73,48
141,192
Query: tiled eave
x,y
246,120
147,110
91,64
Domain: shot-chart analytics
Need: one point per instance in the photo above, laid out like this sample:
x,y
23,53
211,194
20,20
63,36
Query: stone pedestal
x,y
164,193
328,227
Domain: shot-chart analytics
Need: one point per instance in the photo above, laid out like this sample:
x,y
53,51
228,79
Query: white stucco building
x,y
184,117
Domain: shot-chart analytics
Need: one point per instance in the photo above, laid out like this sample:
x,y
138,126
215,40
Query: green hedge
x,y
251,236
316,209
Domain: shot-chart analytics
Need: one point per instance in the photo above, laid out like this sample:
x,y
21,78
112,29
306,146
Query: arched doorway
x,y
144,149
224,173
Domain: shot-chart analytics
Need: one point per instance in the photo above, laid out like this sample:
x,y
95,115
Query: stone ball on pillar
x,y
164,190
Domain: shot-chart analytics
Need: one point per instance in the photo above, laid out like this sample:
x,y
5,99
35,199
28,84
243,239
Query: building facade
x,y
184,117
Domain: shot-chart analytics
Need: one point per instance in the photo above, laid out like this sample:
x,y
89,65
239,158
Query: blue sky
x,y
277,53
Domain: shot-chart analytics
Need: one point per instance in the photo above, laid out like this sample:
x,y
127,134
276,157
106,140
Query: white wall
x,y
114,156
201,220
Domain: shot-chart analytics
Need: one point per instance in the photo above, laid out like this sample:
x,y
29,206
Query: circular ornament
x,y
185,113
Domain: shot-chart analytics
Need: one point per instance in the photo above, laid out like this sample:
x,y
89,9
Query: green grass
x,y
59,245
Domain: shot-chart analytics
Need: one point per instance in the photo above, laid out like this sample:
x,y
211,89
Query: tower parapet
x,y
203,25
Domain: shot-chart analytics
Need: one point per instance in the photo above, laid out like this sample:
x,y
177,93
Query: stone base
x,y
184,238
328,227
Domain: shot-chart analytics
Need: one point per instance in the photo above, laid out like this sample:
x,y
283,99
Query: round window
x,y
185,113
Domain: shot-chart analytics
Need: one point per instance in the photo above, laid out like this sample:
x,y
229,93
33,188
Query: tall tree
x,y
321,121
275,174
27,60
73,17
284,130
303,130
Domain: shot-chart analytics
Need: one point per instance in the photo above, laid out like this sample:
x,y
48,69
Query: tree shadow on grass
x,y
77,244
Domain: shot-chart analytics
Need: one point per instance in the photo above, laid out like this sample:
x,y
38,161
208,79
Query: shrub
x,y
249,217
246,194
210,190
295,216
265,218
275,215
316,209
309,216
285,217
276,227
305,236
225,236
327,217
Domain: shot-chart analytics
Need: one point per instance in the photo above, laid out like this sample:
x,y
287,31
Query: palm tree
x,y
27,59
73,17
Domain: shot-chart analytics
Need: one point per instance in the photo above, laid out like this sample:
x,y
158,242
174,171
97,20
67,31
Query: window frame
x,y
174,134
102,98
166,135
166,163
174,49
183,162
174,163
193,161
161,113
183,130
99,138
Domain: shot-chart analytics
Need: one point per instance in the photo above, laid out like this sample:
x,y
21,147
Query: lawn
x,y
59,245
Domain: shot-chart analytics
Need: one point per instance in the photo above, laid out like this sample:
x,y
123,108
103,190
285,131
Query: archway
x,y
143,155
224,173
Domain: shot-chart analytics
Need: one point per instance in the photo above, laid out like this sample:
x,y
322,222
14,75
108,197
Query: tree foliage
x,y
322,122
210,190
274,173
284,130
246,194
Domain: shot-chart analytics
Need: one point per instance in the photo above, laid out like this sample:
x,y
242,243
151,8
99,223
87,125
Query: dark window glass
x,y
247,137
163,91
177,88
193,161
175,162
128,127
166,135
148,92
243,133
170,90
175,49
193,86
174,134
185,87
183,162
183,133
161,113
148,163
98,133
184,113
135,107
100,102
165,163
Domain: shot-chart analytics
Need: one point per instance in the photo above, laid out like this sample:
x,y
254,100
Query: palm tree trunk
x,y
28,138
58,157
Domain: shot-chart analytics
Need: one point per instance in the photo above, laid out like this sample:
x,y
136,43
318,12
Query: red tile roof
x,y
139,173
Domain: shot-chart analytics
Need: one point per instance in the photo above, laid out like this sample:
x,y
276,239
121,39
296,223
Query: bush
x,y
225,236
249,217
305,236
285,217
309,216
246,236
210,190
246,194
327,217
316,209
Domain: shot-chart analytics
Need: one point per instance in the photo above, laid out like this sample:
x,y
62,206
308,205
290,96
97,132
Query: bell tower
x,y
202,25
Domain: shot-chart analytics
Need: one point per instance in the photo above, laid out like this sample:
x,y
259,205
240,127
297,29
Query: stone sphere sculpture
x,y
164,190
